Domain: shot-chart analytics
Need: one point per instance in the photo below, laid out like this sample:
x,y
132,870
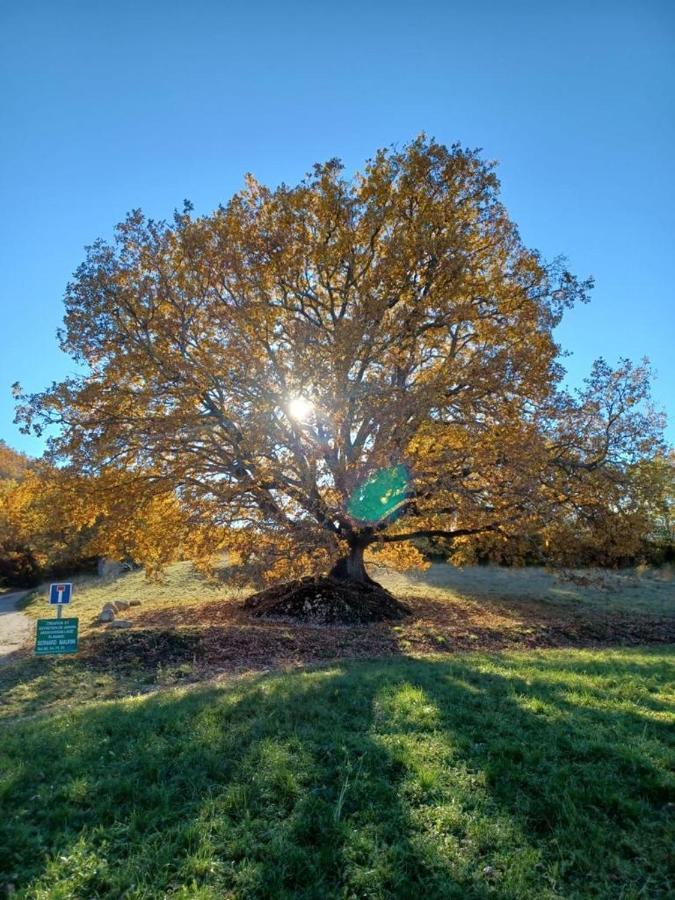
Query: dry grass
x,y
180,586
185,620
644,591
467,592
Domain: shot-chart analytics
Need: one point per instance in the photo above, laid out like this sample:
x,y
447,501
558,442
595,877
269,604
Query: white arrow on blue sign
x,y
60,593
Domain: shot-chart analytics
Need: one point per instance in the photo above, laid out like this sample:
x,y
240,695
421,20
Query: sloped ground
x,y
226,636
189,629
176,641
641,591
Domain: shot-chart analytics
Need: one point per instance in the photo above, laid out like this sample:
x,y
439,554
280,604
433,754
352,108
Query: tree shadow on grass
x,y
192,642
468,777
168,647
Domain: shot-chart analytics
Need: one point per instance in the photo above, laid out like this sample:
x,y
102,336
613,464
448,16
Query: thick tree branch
x,y
438,532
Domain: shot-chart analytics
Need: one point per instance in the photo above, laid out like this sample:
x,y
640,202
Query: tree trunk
x,y
351,567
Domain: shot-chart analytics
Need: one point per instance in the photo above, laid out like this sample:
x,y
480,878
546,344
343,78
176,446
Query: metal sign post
x,y
53,636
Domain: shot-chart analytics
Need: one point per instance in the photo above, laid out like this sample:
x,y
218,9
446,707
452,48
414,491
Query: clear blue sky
x,y
110,106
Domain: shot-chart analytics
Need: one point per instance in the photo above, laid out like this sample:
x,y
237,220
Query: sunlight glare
x,y
300,408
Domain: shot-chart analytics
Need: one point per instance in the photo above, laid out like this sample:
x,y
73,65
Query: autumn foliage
x,y
247,373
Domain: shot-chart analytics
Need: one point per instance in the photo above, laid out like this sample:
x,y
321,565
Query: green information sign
x,y
56,636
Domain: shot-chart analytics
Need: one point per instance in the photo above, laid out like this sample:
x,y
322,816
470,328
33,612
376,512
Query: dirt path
x,y
15,627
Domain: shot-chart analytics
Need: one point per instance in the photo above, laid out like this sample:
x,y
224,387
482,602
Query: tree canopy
x,y
348,362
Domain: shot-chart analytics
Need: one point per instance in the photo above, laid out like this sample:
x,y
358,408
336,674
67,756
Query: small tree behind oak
x,y
343,364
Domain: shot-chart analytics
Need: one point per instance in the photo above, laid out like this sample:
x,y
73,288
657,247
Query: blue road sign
x,y
60,593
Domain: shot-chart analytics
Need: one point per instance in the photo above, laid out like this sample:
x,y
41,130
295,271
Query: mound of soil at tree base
x,y
327,601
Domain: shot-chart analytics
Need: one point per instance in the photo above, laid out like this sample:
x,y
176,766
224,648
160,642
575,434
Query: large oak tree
x,y
348,362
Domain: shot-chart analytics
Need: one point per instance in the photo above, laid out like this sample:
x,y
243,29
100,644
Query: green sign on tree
x,y
380,495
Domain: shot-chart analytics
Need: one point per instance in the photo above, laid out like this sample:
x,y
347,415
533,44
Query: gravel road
x,y
16,628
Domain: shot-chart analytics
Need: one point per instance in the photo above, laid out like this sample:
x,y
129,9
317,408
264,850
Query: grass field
x,y
539,775
629,591
648,591
189,629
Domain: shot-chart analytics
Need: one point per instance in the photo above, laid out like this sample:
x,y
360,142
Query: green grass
x,y
538,775
31,686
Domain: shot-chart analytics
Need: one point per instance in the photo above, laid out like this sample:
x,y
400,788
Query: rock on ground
x,y
109,611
